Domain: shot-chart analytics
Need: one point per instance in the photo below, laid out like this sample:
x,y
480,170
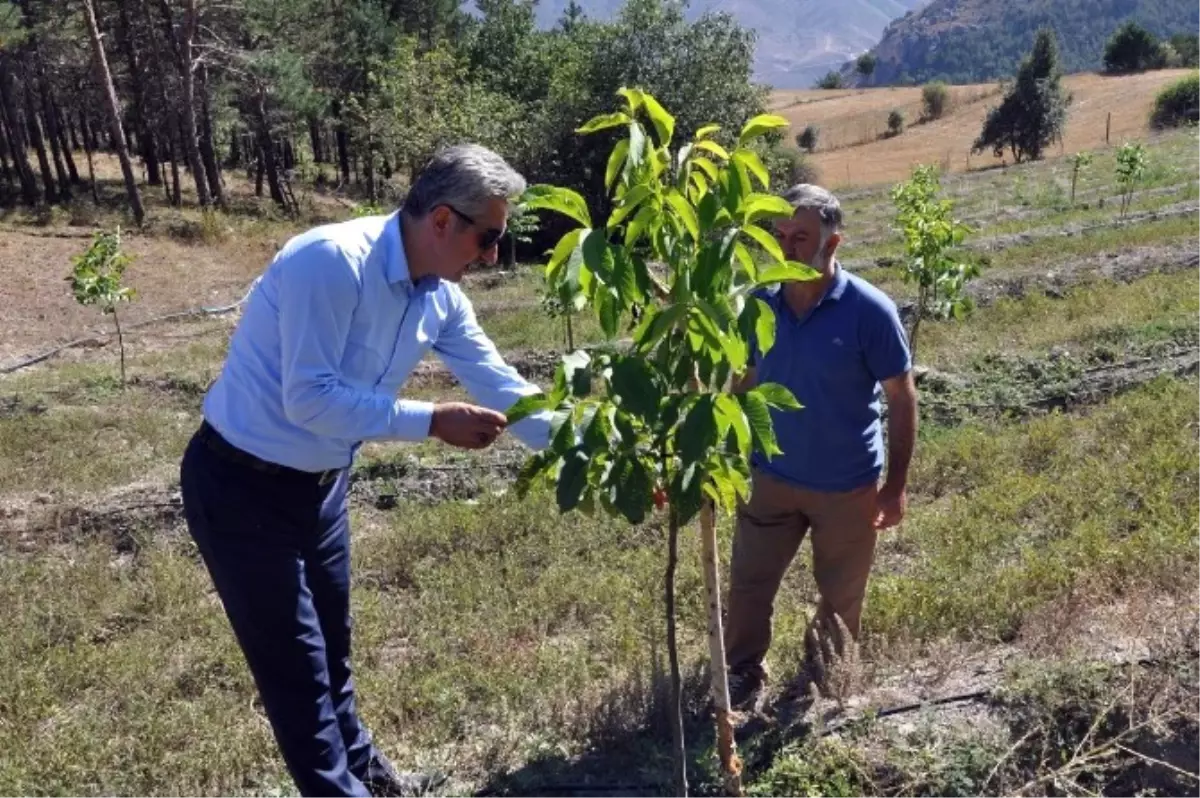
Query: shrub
x,y
787,167
935,98
830,80
1132,48
895,123
807,139
1178,103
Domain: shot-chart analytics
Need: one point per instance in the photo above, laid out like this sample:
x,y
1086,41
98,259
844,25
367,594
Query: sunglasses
x,y
488,238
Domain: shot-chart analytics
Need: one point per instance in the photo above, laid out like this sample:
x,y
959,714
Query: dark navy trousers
x,y
277,546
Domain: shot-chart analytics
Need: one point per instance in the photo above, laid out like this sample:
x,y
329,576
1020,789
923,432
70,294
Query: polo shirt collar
x,y
840,281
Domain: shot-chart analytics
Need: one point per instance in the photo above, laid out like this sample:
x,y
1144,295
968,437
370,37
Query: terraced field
x,y
1031,628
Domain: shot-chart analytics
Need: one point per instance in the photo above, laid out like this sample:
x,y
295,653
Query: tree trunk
x,y
731,766
16,134
65,144
208,152
39,145
289,154
258,173
87,148
182,50
137,82
675,713
104,78
343,145
269,159
4,169
314,136
172,154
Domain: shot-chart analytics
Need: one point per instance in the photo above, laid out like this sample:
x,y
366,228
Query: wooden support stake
x,y
731,764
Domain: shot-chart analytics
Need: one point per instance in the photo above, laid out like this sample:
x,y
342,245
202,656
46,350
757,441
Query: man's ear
x,y
832,242
439,217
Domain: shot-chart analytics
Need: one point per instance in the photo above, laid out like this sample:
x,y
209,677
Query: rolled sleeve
x,y
319,289
472,357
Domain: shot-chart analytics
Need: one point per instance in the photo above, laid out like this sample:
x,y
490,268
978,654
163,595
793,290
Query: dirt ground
x,y
849,152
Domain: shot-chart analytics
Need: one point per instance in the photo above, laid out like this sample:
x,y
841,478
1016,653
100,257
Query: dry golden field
x,y
851,152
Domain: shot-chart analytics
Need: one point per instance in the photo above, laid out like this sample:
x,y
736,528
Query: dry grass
x,y
851,154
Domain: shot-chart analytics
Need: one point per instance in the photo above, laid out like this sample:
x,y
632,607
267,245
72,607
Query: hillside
x,y
962,41
798,41
851,151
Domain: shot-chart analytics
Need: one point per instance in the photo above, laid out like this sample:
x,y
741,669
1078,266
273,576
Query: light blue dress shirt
x,y
328,336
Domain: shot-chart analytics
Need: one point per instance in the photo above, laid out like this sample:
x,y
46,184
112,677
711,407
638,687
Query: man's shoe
x,y
404,785
746,691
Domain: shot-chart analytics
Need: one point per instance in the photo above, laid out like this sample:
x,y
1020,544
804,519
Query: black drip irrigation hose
x,y
177,315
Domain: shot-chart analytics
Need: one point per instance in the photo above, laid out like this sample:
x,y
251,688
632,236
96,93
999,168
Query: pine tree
x,y
1034,111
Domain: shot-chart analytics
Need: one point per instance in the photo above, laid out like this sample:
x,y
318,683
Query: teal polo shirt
x,y
833,360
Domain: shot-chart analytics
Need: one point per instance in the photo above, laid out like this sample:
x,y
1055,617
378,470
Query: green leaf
x,y
732,412
598,256
761,428
653,328
526,406
754,165
733,347
720,489
687,214
706,131
625,277
616,160
686,493
778,396
572,479
629,203
764,325
634,382
708,167
637,145
608,311
634,489
598,431
531,470
759,125
664,123
567,245
698,432
562,432
635,98
759,205
788,271
555,198
766,241
714,148
641,222
603,122
747,261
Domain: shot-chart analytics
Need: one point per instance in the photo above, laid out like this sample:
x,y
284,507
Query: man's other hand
x,y
890,506
466,426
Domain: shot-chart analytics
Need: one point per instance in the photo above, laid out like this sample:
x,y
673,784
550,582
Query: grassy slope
x,y
121,675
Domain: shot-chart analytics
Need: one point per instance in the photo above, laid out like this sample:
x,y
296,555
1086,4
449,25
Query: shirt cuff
x,y
412,420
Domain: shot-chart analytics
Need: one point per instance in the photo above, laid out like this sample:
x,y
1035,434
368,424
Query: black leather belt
x,y
217,443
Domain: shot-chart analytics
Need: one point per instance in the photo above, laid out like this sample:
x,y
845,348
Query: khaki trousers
x,y
770,528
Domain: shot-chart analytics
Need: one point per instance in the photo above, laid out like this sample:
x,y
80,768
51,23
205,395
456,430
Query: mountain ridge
x,y
798,40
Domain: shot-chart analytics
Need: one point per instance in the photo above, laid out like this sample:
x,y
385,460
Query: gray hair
x,y
466,177
806,196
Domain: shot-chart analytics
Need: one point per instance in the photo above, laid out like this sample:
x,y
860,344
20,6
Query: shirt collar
x,y
840,281
397,262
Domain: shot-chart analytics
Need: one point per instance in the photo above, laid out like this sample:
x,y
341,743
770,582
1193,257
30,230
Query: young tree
x,y
935,98
930,233
807,140
830,80
96,280
1079,161
895,123
1131,165
1034,111
657,425
1132,48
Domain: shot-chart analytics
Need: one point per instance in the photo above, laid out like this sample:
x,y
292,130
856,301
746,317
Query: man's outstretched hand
x,y
466,426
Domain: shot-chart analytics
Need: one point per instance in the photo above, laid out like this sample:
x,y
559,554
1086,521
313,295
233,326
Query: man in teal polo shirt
x,y
839,346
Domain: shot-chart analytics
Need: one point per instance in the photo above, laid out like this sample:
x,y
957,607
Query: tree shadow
x,y
629,746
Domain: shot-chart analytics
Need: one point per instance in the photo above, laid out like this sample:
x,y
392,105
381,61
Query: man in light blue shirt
x,y
328,337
